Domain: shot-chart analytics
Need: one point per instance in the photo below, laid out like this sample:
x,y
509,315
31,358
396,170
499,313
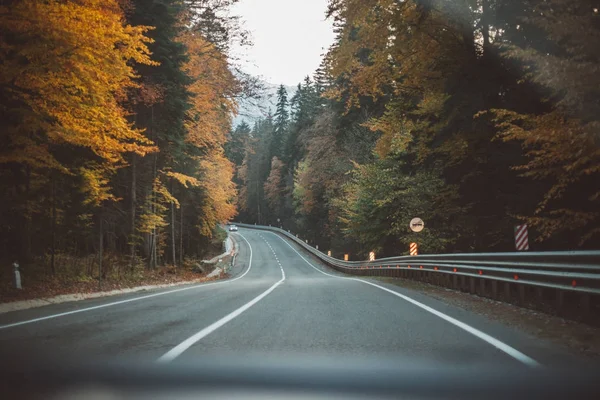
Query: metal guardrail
x,y
571,271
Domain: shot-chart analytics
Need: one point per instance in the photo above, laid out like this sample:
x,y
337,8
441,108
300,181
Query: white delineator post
x,y
17,276
521,237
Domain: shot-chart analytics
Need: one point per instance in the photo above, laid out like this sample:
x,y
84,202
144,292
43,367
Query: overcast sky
x,y
289,38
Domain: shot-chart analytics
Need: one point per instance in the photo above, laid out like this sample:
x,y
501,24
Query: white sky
x,y
289,38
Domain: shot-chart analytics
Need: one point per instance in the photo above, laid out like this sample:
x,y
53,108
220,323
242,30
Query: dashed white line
x,y
511,351
189,342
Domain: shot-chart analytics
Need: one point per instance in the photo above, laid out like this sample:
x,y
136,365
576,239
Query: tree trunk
x,y
153,261
155,248
181,235
258,204
173,229
53,249
100,247
485,26
133,212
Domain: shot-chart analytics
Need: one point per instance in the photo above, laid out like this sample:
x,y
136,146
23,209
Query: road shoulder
x,y
580,339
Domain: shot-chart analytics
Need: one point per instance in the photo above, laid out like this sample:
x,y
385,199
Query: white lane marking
x,y
189,342
511,351
116,303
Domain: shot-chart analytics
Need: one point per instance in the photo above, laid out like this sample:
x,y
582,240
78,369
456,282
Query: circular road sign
x,y
417,225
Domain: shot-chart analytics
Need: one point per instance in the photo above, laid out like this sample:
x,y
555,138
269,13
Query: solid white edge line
x,y
511,351
189,342
199,286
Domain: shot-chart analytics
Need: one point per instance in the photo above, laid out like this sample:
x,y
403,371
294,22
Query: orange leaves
x,y
213,92
563,151
67,63
274,188
185,180
95,184
216,174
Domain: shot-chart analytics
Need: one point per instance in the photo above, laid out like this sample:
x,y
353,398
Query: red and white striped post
x,y
521,238
414,249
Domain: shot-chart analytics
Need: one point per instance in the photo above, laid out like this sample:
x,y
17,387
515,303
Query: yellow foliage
x,y
273,187
562,150
185,180
216,173
213,92
95,185
65,65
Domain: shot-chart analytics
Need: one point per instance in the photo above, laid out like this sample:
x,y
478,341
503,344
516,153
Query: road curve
x,y
280,302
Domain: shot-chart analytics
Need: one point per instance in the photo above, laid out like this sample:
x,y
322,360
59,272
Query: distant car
x,y
233,228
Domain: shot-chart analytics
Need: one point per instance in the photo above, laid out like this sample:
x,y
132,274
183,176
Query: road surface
x,y
279,303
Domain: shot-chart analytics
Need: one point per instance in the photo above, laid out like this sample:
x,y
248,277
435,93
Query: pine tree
x,y
235,146
281,121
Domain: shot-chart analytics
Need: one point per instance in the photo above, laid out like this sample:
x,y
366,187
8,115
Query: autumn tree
x,y
274,188
64,126
561,143
120,114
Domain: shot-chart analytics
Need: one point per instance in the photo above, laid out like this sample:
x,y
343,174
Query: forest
x,y
114,117
474,115
118,151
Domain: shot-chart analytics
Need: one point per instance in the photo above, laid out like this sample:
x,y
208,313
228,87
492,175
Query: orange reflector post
x,y
454,270
413,249
435,268
516,277
480,272
345,257
420,266
409,266
574,283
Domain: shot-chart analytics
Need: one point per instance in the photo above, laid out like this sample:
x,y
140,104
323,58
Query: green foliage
x,y
475,116
381,199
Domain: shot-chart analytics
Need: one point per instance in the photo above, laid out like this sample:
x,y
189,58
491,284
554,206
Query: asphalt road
x,y
279,303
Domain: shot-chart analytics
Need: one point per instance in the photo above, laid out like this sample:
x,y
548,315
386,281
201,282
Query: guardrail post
x,y
463,284
482,286
472,285
560,299
455,282
522,293
585,303
539,293
495,289
507,291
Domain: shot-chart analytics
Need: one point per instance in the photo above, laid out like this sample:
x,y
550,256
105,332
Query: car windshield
x,y
406,180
